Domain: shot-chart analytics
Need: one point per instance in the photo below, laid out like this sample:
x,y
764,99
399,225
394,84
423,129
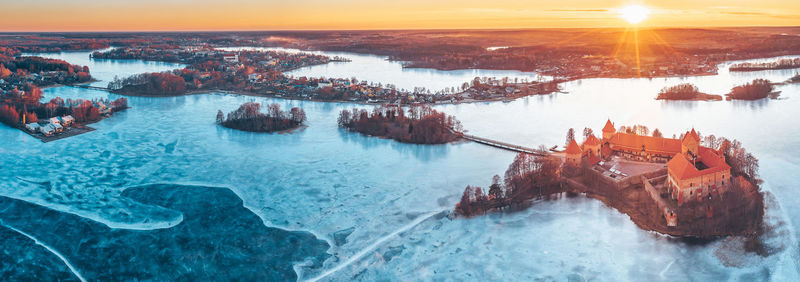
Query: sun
x,y
633,14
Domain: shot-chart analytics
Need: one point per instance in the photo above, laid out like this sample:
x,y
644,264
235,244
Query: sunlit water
x,y
323,179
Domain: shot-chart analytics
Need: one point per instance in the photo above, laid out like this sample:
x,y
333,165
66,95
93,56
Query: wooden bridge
x,y
504,145
89,87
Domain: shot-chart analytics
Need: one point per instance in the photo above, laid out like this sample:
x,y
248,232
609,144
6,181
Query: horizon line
x,y
396,29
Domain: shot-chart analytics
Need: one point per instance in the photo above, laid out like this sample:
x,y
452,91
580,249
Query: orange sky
x,y
112,15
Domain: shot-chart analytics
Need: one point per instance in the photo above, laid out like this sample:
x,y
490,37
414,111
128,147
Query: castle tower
x,y
573,153
608,130
690,143
592,145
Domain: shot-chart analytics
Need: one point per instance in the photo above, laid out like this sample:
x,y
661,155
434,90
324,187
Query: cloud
x,y
579,10
747,14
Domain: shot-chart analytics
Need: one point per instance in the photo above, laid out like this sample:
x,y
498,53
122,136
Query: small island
x,y
687,92
755,90
782,64
248,117
420,125
687,186
794,79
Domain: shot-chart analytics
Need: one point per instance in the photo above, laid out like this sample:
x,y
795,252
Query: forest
x,y
249,117
420,125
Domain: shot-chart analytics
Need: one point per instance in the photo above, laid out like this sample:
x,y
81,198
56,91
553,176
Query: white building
x,y
67,120
32,127
231,58
47,129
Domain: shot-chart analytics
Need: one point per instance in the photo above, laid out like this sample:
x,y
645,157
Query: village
x,y
262,73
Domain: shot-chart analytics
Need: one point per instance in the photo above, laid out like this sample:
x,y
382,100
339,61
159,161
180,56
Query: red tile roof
x,y
573,149
651,144
591,141
682,168
609,127
692,134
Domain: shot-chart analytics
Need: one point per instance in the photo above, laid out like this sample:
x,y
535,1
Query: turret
x,y
690,143
608,130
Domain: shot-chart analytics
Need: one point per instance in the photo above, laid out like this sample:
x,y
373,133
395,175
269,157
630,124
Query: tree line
x,y
781,64
26,103
742,162
167,84
683,91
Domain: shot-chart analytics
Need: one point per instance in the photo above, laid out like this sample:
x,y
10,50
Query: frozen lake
x,y
389,196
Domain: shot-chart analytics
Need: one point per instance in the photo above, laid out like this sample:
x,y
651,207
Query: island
x,y
794,79
419,125
755,90
687,92
687,186
248,117
782,64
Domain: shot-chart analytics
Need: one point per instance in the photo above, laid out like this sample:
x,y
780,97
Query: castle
x,y
694,172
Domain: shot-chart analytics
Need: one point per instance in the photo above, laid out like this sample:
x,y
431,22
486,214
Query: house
x,y
32,127
54,120
323,84
67,120
103,109
47,129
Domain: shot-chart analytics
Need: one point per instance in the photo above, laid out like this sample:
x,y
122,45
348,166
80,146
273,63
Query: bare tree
x,y
570,136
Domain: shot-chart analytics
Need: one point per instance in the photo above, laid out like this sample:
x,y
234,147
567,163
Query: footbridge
x,y
504,145
90,87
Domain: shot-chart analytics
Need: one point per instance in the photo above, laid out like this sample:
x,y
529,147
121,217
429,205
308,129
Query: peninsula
x,y
687,186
